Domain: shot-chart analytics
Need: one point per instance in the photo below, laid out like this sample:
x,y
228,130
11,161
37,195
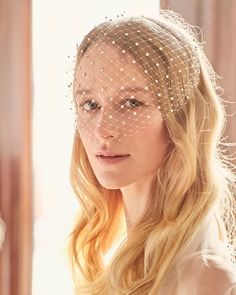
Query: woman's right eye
x,y
90,105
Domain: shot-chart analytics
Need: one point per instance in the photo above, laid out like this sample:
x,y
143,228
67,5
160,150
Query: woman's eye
x,y
131,103
89,105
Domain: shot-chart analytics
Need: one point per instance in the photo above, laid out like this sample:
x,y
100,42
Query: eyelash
x,y
140,103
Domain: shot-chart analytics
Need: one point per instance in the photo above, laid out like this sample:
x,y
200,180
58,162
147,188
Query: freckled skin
x,y
143,137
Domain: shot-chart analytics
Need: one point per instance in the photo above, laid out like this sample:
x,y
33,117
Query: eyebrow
x,y
125,89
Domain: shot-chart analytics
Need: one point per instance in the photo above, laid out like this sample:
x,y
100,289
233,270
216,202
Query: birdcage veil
x,y
133,71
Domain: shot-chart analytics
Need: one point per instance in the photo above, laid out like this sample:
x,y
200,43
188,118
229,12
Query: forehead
x,y
104,66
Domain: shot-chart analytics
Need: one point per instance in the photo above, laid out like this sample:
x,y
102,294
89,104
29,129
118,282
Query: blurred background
x,y
37,48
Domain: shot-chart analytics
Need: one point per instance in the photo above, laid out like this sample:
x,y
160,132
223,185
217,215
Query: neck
x,y
135,197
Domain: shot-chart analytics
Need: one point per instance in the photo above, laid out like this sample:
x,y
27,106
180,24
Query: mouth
x,y
110,154
112,159
114,156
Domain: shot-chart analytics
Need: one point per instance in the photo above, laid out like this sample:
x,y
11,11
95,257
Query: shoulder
x,y
216,281
209,274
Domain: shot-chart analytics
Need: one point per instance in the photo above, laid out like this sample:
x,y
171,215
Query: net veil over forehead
x,y
133,72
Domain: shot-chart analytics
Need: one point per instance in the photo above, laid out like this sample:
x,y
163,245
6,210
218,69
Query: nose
x,y
107,126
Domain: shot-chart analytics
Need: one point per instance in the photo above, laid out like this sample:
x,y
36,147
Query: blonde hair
x,y
194,177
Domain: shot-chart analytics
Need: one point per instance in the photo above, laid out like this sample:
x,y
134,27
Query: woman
x,y
146,151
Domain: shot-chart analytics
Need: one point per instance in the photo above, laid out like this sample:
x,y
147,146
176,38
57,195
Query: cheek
x,y
152,147
86,144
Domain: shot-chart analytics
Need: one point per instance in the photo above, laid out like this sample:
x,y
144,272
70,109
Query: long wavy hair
x,y
194,177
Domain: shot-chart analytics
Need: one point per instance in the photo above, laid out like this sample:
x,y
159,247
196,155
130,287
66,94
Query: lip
x,y
109,154
111,158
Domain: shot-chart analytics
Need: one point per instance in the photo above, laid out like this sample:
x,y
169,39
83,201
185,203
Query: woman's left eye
x,y
132,103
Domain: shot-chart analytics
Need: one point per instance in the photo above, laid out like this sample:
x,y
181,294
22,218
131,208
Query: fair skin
x,y
143,141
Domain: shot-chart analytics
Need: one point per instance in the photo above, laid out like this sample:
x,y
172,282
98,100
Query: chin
x,y
108,185
112,184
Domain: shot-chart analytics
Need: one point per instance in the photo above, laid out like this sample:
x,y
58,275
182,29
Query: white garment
x,y
203,268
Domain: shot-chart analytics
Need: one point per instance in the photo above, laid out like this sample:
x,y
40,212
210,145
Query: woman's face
x,y
119,124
